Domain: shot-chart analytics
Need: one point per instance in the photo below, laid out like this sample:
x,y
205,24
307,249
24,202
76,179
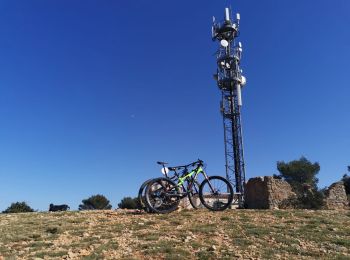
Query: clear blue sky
x,y
93,93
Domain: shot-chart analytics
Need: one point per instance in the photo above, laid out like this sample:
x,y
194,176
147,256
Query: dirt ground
x,y
187,234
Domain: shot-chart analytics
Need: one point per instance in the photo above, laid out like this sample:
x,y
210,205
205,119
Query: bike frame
x,y
194,173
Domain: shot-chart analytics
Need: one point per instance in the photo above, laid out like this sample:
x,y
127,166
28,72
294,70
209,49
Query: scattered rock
x,y
212,248
71,254
84,252
187,239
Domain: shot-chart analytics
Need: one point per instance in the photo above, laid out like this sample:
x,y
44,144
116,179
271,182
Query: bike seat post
x,y
185,171
165,172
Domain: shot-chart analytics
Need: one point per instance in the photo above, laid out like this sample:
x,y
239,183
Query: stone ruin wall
x,y
270,193
267,193
336,197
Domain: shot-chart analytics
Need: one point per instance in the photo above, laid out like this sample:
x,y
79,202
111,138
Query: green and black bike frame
x,y
191,177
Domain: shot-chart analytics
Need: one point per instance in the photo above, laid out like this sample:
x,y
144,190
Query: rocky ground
x,y
188,234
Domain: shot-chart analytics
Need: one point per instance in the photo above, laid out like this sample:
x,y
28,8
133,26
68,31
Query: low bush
x,y
129,203
95,202
18,207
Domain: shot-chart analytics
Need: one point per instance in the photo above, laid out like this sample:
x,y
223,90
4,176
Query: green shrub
x,y
95,202
312,200
18,207
346,180
301,175
129,203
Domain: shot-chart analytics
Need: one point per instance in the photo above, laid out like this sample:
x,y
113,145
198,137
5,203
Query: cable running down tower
x,y
230,82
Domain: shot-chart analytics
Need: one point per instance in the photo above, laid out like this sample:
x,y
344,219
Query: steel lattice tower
x,y
230,81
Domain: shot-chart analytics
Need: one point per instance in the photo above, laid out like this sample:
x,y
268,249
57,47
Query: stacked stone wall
x,y
267,193
335,196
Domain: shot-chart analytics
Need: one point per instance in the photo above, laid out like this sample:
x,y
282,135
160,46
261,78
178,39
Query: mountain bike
x,y
173,173
163,194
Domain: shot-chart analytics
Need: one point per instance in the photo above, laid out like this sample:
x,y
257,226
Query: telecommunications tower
x,y
230,82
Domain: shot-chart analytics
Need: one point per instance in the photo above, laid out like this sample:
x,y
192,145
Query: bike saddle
x,y
162,163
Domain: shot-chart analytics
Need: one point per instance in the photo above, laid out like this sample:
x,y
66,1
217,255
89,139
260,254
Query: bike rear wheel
x,y
162,195
216,193
142,196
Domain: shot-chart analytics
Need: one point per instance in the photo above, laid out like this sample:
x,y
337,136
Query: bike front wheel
x,y
216,193
193,196
162,195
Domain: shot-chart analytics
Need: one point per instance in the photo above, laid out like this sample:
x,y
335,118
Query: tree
x,y
346,180
95,202
129,203
301,175
18,207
